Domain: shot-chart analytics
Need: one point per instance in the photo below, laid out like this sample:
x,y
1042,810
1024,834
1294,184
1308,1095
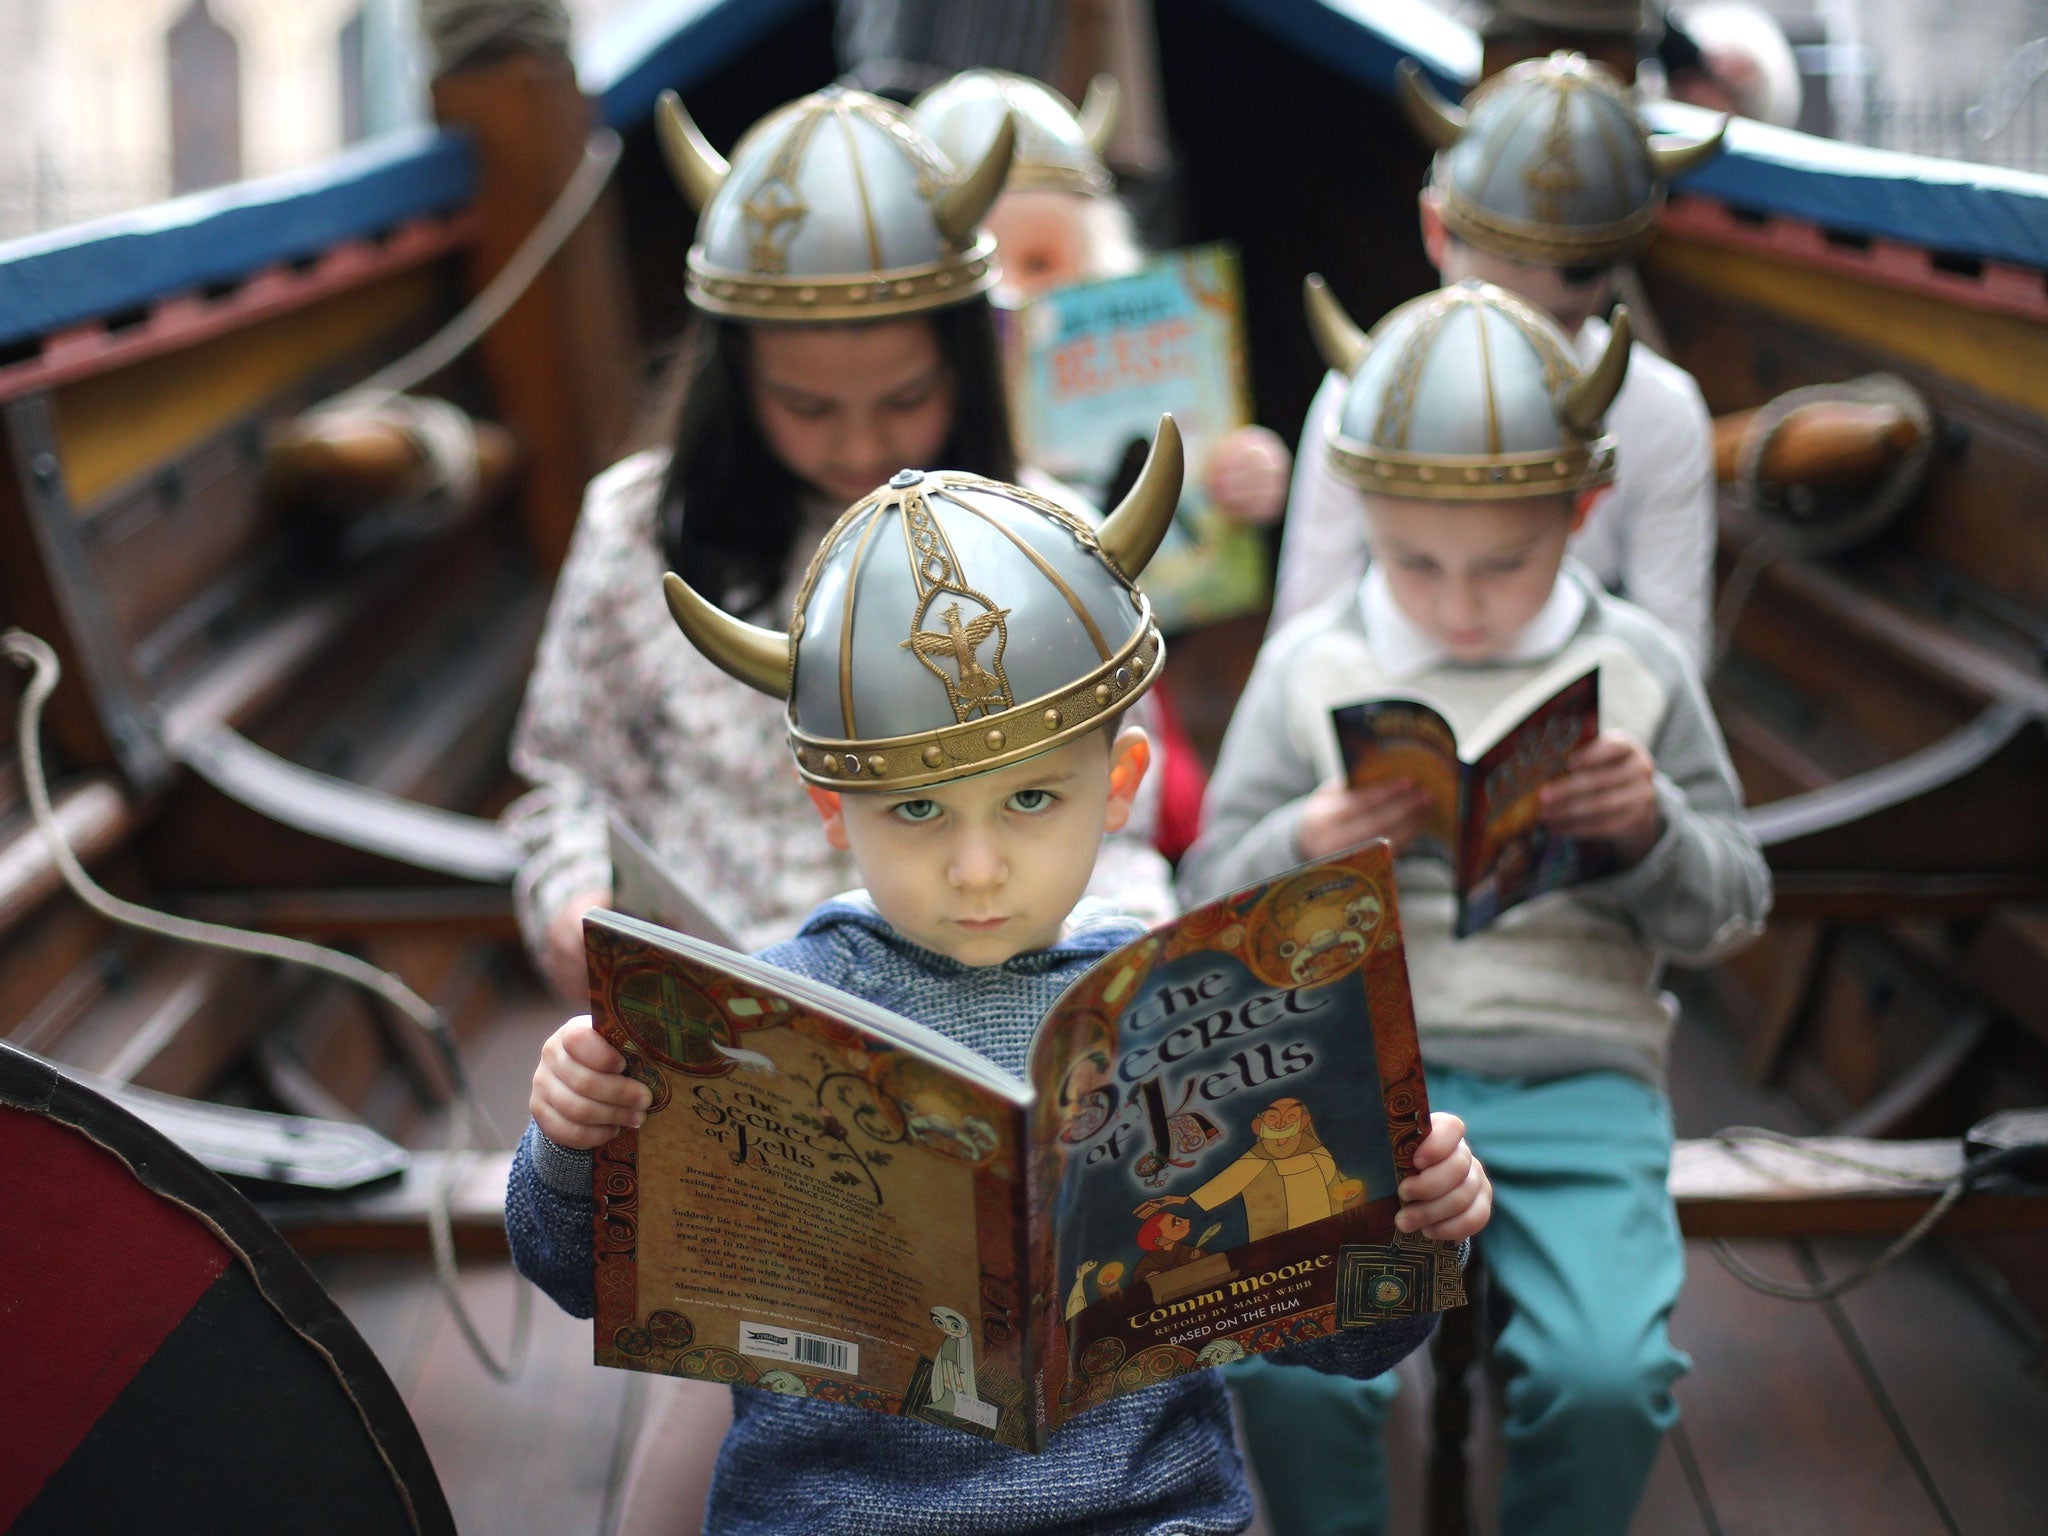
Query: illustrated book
x,y
1093,365
830,1201
1484,784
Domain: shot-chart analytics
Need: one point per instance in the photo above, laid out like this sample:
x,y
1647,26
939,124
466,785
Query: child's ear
x,y
1434,236
832,814
1129,756
1584,503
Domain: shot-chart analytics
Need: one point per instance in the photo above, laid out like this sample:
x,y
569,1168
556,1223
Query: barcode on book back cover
x,y
812,1349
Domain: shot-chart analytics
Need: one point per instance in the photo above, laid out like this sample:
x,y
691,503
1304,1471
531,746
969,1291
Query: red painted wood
x,y
95,1272
2002,287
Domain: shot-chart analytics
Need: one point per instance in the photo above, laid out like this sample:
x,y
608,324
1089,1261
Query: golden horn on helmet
x,y
1342,344
1674,156
1099,111
1587,401
1130,535
960,211
757,657
697,167
1434,118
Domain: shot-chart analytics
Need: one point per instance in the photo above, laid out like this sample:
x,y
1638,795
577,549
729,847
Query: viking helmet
x,y
1467,394
1057,147
1548,163
950,624
835,207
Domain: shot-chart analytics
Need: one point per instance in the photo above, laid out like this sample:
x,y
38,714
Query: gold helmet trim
x,y
1032,727
1492,477
864,296
1549,245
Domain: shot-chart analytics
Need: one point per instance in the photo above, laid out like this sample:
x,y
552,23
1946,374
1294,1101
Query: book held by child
x,y
1095,364
1487,821
830,1201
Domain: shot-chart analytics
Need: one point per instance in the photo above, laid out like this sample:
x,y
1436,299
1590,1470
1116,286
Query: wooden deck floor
x,y
1910,1408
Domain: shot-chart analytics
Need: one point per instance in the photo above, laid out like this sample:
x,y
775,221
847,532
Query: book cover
x,y
1486,818
1092,366
830,1201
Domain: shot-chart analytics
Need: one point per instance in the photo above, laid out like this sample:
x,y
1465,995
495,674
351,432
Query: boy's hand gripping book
x,y
830,1201
1487,821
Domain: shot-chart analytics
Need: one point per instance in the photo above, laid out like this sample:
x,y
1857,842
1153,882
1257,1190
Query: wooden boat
x,y
268,721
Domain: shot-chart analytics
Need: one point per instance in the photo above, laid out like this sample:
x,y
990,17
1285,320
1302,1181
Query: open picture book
x,y
1091,368
830,1201
1486,820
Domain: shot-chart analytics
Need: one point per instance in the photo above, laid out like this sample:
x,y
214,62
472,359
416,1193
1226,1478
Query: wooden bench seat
x,y
1756,1190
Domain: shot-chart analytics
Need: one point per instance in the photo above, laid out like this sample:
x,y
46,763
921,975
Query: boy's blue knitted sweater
x,y
1154,1462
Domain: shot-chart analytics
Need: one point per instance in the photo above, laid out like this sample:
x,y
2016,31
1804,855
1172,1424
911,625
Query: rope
x,y
1736,1137
1798,521
465,1113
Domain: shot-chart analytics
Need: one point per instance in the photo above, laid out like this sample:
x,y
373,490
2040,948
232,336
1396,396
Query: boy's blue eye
x,y
916,810
1030,800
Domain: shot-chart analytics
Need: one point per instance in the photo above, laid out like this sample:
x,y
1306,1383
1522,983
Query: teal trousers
x,y
1584,1251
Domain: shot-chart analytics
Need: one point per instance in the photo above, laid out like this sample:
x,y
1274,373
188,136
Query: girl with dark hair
x,y
801,386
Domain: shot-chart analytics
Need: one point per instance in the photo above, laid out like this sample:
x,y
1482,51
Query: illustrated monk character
x,y
1287,1180
953,1371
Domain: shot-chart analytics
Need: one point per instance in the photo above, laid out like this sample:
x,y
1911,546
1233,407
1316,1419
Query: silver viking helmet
x,y
1057,147
834,207
1467,394
951,624
1548,163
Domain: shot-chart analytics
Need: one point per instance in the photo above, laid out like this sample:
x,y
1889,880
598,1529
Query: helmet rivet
x,y
1517,472
1384,470
876,764
944,280
1472,473
1558,466
806,295
1123,678
904,285
932,756
803,758
831,762
994,740
1102,693
1425,472
1052,719
903,479
852,766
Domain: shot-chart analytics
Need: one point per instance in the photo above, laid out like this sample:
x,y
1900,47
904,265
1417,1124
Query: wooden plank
x,y
536,1455
1960,1383
1786,1437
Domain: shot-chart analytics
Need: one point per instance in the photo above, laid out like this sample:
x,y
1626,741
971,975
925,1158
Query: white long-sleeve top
x,y
1650,539
622,711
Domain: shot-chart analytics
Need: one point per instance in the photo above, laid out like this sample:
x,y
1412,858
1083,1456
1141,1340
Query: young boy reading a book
x,y
955,683
1476,438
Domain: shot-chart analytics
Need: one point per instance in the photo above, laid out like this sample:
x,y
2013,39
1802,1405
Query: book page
x,y
644,886
1224,1109
812,1207
1092,367
1509,855
1382,740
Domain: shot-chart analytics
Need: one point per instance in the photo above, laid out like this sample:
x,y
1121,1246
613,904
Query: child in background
x,y
1546,182
1475,441
976,829
1059,221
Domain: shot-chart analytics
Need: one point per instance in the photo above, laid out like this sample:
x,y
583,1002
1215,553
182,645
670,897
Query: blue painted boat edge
x,y
647,49
105,267
1943,205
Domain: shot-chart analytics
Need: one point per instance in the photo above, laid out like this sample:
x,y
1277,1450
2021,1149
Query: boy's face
x,y
1041,240
988,867
1471,575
